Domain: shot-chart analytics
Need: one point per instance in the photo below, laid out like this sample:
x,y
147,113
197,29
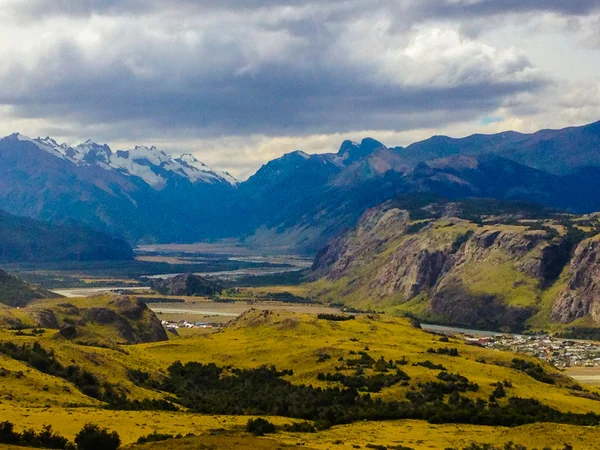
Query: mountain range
x,y
298,201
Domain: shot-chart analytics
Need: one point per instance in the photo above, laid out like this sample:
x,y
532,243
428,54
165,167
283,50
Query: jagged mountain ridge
x,y
148,163
296,202
59,185
476,263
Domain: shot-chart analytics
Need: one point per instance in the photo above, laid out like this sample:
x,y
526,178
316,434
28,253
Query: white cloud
x,y
239,84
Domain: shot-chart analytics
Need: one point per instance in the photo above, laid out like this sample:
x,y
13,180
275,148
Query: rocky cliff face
x,y
489,271
581,296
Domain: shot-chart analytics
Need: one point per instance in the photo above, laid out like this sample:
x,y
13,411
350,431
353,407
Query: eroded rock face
x,y
442,259
582,294
411,270
353,250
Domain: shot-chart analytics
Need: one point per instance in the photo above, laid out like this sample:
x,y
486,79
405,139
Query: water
x,y
456,330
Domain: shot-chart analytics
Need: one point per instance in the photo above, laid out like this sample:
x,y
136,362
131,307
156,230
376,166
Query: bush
x,y
300,427
260,427
535,371
155,437
334,317
444,351
29,438
92,437
429,365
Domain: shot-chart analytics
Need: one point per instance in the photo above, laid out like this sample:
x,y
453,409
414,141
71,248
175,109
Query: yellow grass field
x,y
288,341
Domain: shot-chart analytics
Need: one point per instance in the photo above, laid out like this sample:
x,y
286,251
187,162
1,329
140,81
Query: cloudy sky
x,y
239,82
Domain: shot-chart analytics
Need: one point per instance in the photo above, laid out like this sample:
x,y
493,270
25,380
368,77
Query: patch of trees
x,y
435,391
300,427
444,351
590,334
43,360
90,437
460,240
507,446
429,365
46,438
415,227
367,384
366,361
499,392
288,297
535,371
157,437
39,358
260,427
334,317
209,389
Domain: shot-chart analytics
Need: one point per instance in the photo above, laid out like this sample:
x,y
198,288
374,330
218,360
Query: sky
x,y
240,82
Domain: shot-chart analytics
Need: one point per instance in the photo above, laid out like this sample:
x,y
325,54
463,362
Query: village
x,y
176,325
561,353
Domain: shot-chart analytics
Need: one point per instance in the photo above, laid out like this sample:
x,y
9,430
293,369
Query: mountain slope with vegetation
x,y
16,293
477,263
28,240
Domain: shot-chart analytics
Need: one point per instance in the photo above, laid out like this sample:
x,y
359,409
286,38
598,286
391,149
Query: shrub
x,y
92,437
259,427
155,437
29,438
429,365
535,371
334,317
300,427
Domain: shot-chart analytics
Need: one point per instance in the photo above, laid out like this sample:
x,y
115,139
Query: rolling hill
x,y
260,339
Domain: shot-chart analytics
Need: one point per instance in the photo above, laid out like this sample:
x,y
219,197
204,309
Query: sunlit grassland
x,y
288,341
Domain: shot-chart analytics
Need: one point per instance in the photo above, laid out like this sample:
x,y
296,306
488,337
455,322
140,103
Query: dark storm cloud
x,y
424,8
461,8
260,69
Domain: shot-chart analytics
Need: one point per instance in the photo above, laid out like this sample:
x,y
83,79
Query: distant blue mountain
x,y
294,202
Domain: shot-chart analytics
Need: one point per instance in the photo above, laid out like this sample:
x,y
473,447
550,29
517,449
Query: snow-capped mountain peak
x,y
196,170
152,165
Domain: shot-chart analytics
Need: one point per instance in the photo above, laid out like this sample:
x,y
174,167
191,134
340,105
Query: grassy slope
x,y
288,341
88,332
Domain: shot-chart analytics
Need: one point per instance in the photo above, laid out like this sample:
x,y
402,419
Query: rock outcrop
x,y
486,270
581,296
187,284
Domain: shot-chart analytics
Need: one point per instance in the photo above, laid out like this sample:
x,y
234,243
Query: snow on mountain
x,y
141,162
148,163
196,170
